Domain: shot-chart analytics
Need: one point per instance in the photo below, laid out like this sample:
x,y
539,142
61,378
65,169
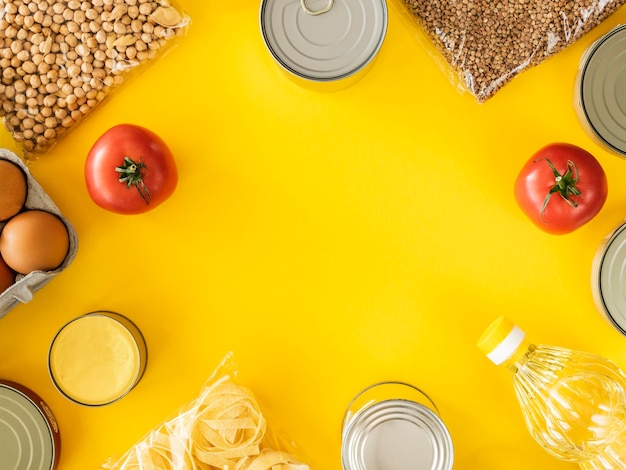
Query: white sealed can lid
x,y
609,278
323,40
395,426
600,99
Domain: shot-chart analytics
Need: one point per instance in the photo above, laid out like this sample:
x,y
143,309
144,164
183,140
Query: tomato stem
x,y
131,174
565,185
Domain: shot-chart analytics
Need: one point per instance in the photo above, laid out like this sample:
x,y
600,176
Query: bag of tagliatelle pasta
x,y
222,429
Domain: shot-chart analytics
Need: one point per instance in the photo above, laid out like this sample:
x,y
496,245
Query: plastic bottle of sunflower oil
x,y
573,403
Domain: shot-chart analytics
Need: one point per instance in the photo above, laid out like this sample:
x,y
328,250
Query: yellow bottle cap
x,y
500,340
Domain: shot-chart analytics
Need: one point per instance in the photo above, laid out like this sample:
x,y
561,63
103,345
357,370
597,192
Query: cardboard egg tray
x,y
26,285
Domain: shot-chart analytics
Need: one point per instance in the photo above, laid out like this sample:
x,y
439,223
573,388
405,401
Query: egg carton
x,y
26,285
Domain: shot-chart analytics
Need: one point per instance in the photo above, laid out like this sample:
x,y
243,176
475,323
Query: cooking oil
x,y
573,403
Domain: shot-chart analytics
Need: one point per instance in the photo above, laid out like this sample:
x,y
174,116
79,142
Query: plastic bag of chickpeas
x,y
223,428
60,59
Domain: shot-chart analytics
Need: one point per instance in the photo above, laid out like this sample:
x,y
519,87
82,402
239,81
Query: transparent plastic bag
x,y
223,428
61,58
484,44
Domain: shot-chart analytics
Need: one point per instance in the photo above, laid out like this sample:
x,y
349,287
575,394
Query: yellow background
x,y
330,240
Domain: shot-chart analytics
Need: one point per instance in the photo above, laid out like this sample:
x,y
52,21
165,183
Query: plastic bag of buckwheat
x,y
485,43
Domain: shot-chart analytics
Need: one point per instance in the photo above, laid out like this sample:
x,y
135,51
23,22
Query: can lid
x,y
602,92
28,440
396,434
610,278
323,40
500,340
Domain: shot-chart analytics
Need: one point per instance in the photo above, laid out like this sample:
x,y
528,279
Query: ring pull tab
x,y
317,12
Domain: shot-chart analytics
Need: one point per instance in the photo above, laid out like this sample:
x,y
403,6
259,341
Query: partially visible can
x,y
323,41
608,278
600,91
395,426
29,433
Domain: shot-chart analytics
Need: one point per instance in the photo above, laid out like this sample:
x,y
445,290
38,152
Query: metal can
x,y
97,358
608,276
600,91
324,41
29,433
395,426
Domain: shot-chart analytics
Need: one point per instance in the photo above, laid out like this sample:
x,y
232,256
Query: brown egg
x,y
13,189
34,240
7,276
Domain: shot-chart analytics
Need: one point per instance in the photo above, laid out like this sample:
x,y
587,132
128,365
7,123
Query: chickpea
x,y
60,58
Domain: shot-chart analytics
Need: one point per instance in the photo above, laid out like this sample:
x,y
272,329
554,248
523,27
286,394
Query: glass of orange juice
x,y
97,358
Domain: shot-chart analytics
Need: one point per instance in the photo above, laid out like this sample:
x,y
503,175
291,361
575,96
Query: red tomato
x,y
130,170
561,188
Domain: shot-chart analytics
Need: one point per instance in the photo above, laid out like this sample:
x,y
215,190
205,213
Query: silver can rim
x,y
44,411
580,103
354,71
599,293
357,425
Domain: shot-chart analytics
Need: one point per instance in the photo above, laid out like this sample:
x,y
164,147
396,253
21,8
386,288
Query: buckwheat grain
x,y
487,43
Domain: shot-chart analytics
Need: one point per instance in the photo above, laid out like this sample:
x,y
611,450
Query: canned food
x,y
29,433
394,426
323,40
600,91
607,280
97,358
